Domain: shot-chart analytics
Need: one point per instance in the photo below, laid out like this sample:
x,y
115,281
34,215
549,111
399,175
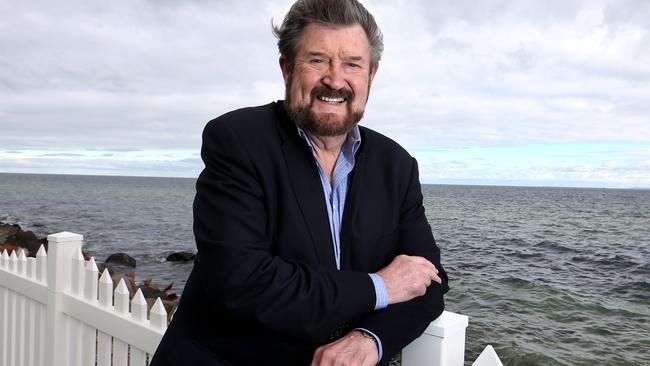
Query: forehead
x,y
341,40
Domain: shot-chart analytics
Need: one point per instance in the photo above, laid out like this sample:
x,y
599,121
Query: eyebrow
x,y
323,54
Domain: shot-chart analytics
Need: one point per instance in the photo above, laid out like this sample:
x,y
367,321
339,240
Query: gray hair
x,y
326,12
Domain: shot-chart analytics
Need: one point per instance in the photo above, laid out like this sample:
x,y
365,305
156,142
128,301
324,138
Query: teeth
x,y
331,100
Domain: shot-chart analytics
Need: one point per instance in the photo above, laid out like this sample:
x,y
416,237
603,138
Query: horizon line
x,y
442,182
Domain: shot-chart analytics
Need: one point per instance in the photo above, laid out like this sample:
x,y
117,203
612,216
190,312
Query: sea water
x,y
548,276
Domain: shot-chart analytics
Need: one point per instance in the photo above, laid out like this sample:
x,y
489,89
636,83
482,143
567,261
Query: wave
x,y
555,246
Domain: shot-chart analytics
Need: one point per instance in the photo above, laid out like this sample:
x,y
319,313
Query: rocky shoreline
x,y
119,265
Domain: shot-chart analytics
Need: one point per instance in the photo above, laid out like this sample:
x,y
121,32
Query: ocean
x,y
548,276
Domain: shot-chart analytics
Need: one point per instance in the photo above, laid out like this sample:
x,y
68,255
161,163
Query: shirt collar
x,y
350,145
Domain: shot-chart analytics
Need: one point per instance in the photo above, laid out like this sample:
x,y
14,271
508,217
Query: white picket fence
x,y
55,311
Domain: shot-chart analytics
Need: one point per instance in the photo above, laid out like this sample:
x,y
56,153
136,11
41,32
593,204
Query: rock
x,y
14,235
7,231
180,257
150,292
120,259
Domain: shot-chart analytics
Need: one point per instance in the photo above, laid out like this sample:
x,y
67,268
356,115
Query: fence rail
x,y
55,309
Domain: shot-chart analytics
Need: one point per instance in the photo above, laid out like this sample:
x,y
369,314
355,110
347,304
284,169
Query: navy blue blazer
x,y
264,289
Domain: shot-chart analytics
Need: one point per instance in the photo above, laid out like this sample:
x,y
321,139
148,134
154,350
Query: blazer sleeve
x,y
235,263
399,324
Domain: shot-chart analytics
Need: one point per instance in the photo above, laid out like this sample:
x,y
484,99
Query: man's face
x,y
327,87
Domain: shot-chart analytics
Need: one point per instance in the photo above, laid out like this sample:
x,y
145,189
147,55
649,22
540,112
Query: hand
x,y
407,277
352,350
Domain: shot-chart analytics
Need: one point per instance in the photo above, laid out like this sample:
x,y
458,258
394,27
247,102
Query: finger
x,y
425,263
437,279
434,274
316,360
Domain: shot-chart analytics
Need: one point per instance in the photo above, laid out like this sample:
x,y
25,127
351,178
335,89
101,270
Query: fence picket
x,y
91,280
4,314
103,349
13,258
40,338
78,272
31,268
11,353
4,332
139,307
76,336
89,333
121,300
4,257
19,349
158,315
31,316
21,305
41,265
106,301
106,289
11,350
22,263
31,332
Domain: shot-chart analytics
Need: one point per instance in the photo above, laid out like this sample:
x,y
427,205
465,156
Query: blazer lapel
x,y
352,201
308,190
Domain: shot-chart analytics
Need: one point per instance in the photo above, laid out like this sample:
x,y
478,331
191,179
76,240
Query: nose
x,y
333,78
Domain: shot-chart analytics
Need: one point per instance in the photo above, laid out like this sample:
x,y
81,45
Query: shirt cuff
x,y
380,348
380,291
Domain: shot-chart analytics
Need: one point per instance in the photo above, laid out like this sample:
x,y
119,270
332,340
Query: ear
x,y
286,70
373,71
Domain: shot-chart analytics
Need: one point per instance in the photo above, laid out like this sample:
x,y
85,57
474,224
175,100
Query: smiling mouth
x,y
338,100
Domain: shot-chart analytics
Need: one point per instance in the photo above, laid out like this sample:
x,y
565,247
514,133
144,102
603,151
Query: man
x,y
313,246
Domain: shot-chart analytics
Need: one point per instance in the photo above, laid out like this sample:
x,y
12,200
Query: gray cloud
x,y
62,155
134,76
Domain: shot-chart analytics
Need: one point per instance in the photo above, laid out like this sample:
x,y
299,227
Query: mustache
x,y
324,91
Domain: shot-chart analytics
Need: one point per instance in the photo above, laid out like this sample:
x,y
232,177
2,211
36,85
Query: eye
x,y
317,61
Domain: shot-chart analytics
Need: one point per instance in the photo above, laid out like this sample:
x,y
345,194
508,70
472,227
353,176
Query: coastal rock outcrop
x,y
12,236
121,259
180,257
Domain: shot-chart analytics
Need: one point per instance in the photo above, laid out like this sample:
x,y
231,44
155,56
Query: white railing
x,y
55,311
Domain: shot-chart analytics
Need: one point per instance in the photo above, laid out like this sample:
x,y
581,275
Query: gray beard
x,y
303,117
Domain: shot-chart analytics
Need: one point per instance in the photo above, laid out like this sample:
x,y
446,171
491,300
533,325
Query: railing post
x,y
441,344
62,248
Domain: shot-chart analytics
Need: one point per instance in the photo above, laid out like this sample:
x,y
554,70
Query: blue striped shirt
x,y
335,195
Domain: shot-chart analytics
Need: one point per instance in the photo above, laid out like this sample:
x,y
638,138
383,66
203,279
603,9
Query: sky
x,y
529,92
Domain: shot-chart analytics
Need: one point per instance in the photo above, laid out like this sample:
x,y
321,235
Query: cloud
x,y
521,72
62,155
175,164
141,76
